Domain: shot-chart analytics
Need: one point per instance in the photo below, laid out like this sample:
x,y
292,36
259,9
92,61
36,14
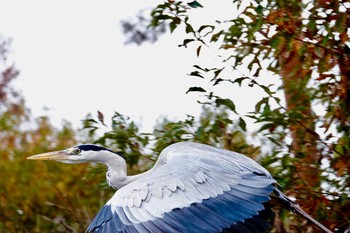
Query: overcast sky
x,y
73,61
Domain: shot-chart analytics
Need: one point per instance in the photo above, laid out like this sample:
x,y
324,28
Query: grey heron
x,y
191,188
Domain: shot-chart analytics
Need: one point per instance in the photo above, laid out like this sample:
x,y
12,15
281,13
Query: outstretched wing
x,y
192,188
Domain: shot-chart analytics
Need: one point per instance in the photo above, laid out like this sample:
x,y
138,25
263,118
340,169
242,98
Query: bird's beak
x,y
55,155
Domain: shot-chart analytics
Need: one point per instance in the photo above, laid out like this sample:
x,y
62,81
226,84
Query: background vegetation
x,y
302,45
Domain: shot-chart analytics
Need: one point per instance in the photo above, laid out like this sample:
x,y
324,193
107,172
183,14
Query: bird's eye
x,y
76,151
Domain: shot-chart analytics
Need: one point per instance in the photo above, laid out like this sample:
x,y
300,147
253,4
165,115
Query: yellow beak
x,y
55,155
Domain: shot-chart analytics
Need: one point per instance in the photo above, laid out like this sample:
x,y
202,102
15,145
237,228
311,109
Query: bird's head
x,y
78,154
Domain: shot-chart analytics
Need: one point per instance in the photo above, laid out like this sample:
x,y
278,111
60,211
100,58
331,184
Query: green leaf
x,y
194,4
258,105
217,72
226,102
203,69
164,17
218,81
267,89
239,80
174,23
201,28
198,67
189,28
186,41
340,23
257,72
268,126
195,89
216,36
267,110
259,9
242,124
172,26
275,41
196,73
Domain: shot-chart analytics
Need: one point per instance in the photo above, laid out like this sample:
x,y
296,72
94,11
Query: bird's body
x,y
191,188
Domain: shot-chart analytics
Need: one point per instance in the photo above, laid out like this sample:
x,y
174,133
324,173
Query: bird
x,y
192,187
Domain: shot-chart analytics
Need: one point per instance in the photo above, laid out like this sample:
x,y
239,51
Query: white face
x,y
70,155
73,155
81,154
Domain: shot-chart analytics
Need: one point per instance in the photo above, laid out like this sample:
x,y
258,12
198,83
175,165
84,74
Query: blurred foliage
x,y
137,29
141,150
39,196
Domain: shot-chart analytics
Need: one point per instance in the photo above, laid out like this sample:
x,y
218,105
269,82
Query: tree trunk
x,y
304,149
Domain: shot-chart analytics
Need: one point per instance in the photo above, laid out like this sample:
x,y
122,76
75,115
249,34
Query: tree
x,y
305,46
38,197
141,150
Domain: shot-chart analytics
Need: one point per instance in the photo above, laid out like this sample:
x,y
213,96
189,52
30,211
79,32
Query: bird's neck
x,y
117,175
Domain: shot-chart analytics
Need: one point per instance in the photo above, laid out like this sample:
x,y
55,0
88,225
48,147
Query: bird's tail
x,y
295,208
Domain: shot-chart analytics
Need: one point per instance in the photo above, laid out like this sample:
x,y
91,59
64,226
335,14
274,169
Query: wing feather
x,y
180,223
140,228
202,213
246,203
192,188
151,227
137,214
121,212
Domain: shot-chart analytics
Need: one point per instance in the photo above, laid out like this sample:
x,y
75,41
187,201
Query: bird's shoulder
x,y
199,154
